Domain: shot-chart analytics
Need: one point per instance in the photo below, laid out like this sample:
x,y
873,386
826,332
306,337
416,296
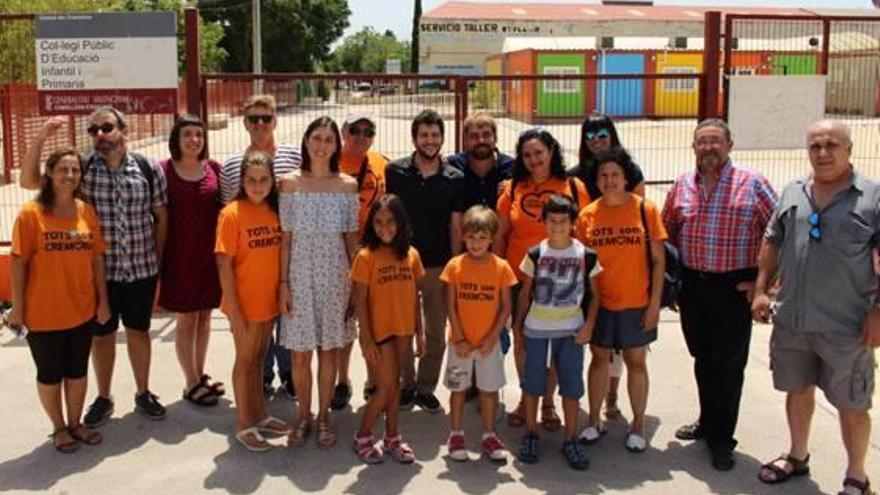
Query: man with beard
x,y
433,193
715,215
484,167
129,194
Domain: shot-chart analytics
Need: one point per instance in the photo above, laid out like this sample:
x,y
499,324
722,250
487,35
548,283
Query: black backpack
x,y
672,273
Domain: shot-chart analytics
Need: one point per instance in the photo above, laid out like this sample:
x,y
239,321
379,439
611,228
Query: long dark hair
x,y
258,159
46,195
593,123
557,166
186,120
400,243
306,165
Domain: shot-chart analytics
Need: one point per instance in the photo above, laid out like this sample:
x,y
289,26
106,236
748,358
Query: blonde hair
x,y
479,218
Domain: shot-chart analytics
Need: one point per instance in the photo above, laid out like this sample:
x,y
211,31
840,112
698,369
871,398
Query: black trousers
x,y
717,323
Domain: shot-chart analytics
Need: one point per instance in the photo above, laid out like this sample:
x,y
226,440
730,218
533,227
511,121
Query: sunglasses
x,y
815,227
362,131
105,128
597,134
264,118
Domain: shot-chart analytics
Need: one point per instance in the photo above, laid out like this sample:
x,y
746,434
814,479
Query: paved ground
x,y
193,450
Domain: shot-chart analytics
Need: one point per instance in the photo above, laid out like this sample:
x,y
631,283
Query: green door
x,y
560,98
793,65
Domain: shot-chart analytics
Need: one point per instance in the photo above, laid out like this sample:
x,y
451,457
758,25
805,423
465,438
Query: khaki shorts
x,y
841,365
489,370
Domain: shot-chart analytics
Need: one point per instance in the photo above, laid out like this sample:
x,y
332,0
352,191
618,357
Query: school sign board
x,y
126,60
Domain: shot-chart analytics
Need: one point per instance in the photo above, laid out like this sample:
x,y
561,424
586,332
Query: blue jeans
x,y
276,353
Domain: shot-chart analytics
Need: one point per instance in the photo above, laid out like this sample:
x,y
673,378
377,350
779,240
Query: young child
x,y
551,319
248,251
478,296
384,275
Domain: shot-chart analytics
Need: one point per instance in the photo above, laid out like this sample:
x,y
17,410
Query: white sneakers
x,y
636,443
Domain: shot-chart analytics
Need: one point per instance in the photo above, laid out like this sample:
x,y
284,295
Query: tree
x,y
297,34
367,51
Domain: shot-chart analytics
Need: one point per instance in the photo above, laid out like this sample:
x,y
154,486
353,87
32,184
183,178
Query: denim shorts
x,y
565,355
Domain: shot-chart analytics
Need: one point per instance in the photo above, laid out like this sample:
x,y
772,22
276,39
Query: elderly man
x,y
484,167
826,322
129,194
715,215
368,168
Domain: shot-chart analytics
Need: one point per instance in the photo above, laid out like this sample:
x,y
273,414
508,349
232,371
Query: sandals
x,y
298,436
82,434
65,447
517,417
400,451
326,436
251,439
366,450
273,426
201,395
864,487
216,388
549,419
799,467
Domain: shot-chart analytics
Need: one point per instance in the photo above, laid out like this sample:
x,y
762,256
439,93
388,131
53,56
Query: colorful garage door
x,y
793,65
623,97
560,98
678,97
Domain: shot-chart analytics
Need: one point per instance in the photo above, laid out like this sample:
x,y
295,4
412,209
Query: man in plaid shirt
x,y
716,215
129,194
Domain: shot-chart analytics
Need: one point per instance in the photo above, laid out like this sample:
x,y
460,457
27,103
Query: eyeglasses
x,y
105,128
815,228
264,118
597,134
362,131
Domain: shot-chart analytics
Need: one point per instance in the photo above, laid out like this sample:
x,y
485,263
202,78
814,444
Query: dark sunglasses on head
x,y
360,131
265,118
597,134
815,227
105,128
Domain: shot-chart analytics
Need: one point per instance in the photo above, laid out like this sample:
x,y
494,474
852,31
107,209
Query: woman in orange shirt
x,y
629,287
58,293
538,173
248,254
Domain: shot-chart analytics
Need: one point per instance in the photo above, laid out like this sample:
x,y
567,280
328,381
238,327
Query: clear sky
x,y
396,15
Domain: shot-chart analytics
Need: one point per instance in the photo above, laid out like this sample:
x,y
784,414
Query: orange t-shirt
x,y
617,235
478,286
371,185
524,214
251,235
391,285
60,290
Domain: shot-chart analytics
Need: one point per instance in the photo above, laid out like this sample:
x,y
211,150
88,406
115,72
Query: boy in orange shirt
x,y
478,297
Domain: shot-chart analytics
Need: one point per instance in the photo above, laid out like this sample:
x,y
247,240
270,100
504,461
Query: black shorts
x,y
620,330
62,354
132,302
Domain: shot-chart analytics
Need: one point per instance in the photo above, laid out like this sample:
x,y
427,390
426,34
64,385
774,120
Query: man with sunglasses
x,y
484,167
821,243
260,121
129,194
715,215
368,169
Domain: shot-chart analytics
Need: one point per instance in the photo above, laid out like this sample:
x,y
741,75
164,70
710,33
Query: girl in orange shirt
x,y
59,292
248,254
384,275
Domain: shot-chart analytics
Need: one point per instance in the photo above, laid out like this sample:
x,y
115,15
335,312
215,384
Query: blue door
x,y
621,97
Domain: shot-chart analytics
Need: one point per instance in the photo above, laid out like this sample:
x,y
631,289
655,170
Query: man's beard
x,y
427,156
482,152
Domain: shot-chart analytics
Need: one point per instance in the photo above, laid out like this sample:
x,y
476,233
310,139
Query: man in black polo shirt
x,y
433,192
484,167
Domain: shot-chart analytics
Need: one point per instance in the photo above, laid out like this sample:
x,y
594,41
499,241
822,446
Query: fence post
x,y
193,63
6,111
826,46
710,89
461,95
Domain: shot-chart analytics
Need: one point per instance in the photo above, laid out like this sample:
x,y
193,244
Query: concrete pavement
x,y
193,450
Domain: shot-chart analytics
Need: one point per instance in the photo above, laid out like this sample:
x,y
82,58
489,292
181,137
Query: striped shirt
x,y
287,159
121,198
720,232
